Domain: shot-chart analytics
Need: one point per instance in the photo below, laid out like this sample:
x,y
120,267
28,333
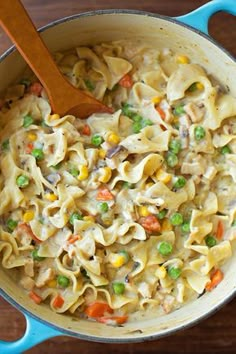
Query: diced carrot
x,y
216,278
161,112
150,223
73,239
104,194
36,298
36,89
126,81
23,228
220,230
58,301
29,148
113,319
98,309
86,130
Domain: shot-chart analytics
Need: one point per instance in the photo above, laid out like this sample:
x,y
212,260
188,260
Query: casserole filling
x,y
125,212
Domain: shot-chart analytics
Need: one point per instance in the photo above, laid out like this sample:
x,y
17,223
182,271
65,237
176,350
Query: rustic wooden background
x,y
214,335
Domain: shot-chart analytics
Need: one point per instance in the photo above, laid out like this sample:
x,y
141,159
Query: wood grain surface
x,y
213,335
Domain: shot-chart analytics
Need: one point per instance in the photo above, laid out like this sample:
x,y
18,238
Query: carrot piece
x,y
86,130
23,228
113,319
97,309
35,297
220,230
58,302
73,239
161,112
36,89
216,278
126,81
104,194
150,223
29,148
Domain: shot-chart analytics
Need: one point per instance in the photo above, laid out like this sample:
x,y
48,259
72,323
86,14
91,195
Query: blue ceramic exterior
x,y
38,331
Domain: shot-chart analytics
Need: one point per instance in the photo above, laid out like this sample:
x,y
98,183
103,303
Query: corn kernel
x,y
163,176
88,218
83,173
161,272
52,283
54,116
31,136
51,197
113,139
166,226
28,216
102,153
143,211
199,86
117,260
182,59
106,174
156,100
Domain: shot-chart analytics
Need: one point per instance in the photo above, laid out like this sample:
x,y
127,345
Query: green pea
x,y
11,224
162,214
124,254
74,172
171,159
165,248
75,216
176,219
27,121
199,133
97,140
137,118
103,207
63,281
174,272
180,183
126,110
193,87
36,257
137,126
128,185
179,110
175,146
57,166
210,241
147,122
89,84
185,227
22,181
38,154
5,145
225,150
118,288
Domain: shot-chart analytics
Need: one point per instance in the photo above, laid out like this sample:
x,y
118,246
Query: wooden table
x,y
214,335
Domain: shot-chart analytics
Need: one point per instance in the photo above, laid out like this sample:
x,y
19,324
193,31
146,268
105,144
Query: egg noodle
x,y
123,212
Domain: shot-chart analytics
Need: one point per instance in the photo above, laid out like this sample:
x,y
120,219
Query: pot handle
x,y
200,17
36,332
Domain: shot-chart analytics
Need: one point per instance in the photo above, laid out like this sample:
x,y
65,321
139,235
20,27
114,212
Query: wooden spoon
x,y
64,98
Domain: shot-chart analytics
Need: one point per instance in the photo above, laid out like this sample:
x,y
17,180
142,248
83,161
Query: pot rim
x,y
165,332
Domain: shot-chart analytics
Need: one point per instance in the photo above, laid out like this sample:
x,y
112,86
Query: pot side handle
x,y
200,17
36,332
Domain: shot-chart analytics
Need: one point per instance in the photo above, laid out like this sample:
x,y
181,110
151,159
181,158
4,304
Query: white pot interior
x,y
87,30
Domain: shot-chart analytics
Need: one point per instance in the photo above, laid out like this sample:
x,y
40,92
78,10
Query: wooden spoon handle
x,y
17,24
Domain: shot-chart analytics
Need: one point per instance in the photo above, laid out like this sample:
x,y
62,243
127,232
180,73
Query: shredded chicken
x,y
44,276
29,267
27,283
195,113
168,303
